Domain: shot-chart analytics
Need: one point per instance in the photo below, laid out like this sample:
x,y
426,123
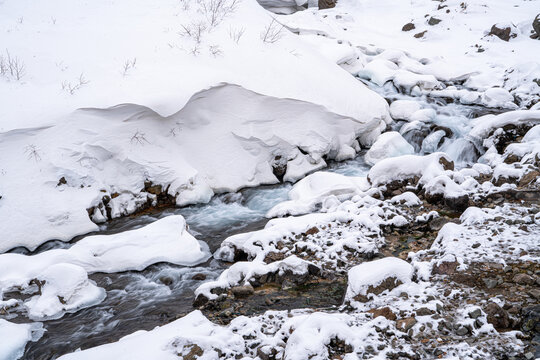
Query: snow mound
x,y
409,166
311,191
364,278
65,288
389,144
404,109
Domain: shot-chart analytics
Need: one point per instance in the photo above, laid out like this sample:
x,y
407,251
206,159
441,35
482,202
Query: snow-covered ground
x,y
110,108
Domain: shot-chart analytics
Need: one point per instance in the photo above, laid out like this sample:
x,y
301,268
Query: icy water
x,y
164,292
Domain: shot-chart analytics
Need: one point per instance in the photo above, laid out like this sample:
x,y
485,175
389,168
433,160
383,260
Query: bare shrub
x,y
71,88
217,10
128,65
215,50
11,67
139,138
193,31
273,32
236,33
32,152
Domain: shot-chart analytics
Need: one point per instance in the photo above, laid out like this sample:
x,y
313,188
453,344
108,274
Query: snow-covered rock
x,y
311,191
404,109
409,166
485,125
389,144
65,288
374,277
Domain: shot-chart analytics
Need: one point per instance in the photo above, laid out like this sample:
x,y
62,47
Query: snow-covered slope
x,y
56,164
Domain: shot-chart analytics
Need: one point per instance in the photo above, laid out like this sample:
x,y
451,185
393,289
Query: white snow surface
x,y
407,166
103,152
373,273
389,144
311,191
71,64
64,271
18,335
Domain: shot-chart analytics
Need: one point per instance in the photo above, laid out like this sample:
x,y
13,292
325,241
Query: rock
x,y
408,27
387,284
420,34
242,291
497,316
437,223
447,164
530,320
405,324
327,4
384,312
459,203
490,283
433,21
279,167
199,277
266,352
528,178
200,300
62,181
534,293
462,331
523,279
536,25
312,231
502,33
445,268
424,311
475,314
194,353
166,280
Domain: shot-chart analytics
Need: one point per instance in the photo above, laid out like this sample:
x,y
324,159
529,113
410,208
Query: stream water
x,y
164,292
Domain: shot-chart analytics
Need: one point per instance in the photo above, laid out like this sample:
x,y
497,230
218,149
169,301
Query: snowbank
x,y
98,155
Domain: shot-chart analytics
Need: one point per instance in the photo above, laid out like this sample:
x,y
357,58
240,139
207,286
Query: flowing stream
x,y
164,292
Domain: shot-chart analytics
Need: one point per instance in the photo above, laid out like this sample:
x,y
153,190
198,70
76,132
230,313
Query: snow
x,y
66,288
240,273
373,273
488,123
404,109
64,271
504,234
18,335
389,144
406,167
160,133
310,192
